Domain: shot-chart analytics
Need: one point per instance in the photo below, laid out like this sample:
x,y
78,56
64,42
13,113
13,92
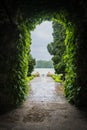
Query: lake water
x,y
43,71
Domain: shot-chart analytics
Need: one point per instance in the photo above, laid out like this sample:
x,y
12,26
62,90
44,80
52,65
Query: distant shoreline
x,y
44,64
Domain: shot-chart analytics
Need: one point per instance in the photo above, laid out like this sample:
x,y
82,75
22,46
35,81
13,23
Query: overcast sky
x,y
41,36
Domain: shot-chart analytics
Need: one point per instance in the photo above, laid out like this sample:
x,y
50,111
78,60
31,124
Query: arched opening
x,y
44,89
69,55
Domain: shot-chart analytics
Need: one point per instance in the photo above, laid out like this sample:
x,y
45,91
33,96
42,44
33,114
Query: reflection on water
x,y
44,89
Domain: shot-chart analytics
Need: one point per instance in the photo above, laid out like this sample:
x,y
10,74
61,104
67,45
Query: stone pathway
x,y
45,109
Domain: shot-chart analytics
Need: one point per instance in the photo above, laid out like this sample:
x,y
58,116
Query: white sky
x,y
41,36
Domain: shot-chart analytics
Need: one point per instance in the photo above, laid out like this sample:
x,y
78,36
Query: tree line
x,y
44,64
57,47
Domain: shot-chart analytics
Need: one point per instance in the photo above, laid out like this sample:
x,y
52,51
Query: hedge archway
x,y
15,48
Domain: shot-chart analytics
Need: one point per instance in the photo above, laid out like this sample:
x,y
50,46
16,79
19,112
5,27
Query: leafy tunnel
x,y
17,19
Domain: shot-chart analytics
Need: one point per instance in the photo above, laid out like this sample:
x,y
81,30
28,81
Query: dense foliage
x,y
44,64
19,72
15,87
57,78
57,48
31,64
70,60
63,50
